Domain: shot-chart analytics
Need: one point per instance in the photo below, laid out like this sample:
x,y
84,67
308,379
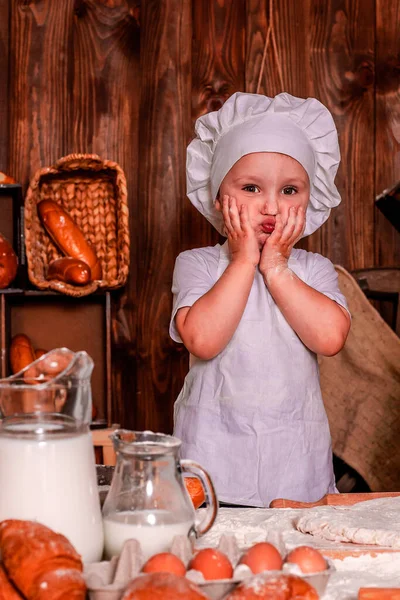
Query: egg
x,y
212,563
262,557
308,559
165,562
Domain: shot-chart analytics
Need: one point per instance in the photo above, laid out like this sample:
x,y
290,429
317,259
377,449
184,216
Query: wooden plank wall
x,y
128,81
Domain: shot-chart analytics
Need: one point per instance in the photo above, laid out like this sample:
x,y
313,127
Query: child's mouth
x,y
267,226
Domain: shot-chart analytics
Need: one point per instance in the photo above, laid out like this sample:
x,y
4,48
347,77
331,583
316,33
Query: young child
x,y
255,312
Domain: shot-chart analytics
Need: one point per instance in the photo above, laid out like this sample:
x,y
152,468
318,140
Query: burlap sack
x,y
361,391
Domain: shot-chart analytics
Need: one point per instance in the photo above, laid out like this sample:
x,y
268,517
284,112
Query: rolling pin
x,y
379,594
332,500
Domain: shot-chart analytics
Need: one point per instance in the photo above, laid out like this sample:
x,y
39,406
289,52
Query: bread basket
x,y
93,192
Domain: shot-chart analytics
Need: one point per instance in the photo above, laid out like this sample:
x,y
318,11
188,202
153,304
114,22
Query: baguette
x,y
67,236
22,353
70,270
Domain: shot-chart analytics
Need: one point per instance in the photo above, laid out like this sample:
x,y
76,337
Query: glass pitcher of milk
x,y
147,500
47,464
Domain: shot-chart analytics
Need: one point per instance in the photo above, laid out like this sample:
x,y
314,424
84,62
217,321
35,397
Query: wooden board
x,y
4,58
356,551
379,594
103,101
387,143
80,70
164,130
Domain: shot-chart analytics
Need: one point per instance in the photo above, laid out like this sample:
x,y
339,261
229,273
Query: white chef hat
x,y
246,123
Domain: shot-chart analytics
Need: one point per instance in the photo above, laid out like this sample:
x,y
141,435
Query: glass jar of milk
x,y
47,463
148,500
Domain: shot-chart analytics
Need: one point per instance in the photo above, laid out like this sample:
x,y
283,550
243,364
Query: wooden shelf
x,y
53,320
34,292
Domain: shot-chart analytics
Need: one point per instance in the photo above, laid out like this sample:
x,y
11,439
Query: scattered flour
x,y
374,522
278,526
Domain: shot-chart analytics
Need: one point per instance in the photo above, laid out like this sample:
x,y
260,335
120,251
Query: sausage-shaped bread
x,y
8,263
67,235
22,353
69,270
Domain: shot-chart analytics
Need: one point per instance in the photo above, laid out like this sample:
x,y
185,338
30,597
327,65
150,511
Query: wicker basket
x,y
93,192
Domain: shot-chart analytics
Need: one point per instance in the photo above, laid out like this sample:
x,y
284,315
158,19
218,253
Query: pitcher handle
x,y
205,525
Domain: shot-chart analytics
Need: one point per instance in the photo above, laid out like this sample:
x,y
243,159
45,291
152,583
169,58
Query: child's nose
x,y
270,206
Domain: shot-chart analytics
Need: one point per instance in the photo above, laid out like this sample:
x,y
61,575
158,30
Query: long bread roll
x,y
22,353
67,235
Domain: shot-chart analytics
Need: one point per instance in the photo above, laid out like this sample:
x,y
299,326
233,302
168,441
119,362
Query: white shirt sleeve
x,y
193,277
321,276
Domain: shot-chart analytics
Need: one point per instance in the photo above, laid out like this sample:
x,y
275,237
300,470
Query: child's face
x,y
268,183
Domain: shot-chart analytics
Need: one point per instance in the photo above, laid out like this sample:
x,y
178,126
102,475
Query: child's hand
x,y
241,237
276,251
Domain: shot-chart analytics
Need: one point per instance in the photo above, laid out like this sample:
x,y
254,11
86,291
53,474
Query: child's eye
x,y
289,190
251,188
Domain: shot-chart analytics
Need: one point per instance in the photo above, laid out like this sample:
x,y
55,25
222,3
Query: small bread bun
x,y
162,586
274,587
6,178
8,263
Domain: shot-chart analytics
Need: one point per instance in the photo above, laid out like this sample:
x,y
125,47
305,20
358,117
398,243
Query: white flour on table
x,y
252,525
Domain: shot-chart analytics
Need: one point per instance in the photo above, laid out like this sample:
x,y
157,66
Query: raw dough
x,y
375,522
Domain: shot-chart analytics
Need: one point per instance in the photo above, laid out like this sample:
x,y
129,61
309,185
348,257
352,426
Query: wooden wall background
x,y
127,80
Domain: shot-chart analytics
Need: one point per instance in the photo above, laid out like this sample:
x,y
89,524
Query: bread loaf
x,y
67,236
273,587
22,353
42,564
69,270
6,178
8,263
162,586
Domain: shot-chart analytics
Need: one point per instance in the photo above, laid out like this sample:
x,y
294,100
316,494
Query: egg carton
x,y
107,580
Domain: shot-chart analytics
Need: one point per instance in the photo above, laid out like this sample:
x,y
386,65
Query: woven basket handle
x,y
72,162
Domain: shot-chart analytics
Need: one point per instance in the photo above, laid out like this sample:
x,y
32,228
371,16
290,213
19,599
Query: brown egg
x,y
165,562
262,557
308,559
212,563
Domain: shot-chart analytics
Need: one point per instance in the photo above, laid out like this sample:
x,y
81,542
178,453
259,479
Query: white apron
x,y
253,416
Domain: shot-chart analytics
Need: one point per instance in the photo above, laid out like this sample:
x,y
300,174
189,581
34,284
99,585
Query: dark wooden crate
x,y
53,320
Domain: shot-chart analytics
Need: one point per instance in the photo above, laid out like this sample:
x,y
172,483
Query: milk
x,y
153,529
53,481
